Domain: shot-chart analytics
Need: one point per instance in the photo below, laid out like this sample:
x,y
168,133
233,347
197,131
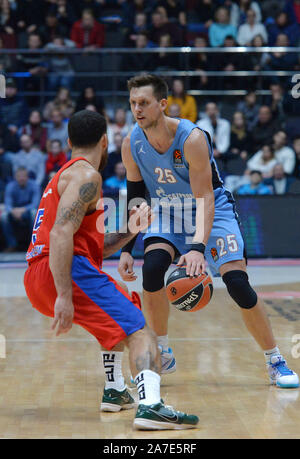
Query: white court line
x,y
78,340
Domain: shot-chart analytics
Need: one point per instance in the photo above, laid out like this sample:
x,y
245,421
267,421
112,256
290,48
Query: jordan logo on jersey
x,y
177,158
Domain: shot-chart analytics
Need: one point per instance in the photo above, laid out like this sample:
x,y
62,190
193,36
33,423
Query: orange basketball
x,y
189,294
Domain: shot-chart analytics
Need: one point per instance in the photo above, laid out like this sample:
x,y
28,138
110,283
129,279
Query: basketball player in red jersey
x,y
64,279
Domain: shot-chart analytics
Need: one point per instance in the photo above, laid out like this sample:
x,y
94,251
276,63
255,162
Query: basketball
x,y
189,294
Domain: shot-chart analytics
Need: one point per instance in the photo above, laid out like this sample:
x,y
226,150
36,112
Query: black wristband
x,y
199,247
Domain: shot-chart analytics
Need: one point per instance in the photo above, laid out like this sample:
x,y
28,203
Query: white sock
x,y
148,387
270,352
163,341
112,363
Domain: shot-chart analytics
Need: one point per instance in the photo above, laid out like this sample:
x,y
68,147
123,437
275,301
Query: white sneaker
x,y
280,374
168,362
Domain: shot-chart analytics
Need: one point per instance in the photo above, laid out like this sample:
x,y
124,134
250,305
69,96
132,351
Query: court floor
x,y
51,387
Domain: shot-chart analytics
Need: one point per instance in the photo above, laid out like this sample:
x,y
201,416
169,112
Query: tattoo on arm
x,y
76,211
114,241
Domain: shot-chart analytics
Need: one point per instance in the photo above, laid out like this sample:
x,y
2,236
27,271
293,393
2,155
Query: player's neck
x,y
91,155
162,134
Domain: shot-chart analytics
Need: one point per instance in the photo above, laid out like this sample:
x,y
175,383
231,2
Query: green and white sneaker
x,y
162,417
114,401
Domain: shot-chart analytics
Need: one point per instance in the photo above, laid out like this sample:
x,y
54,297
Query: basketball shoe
x,y
114,400
168,362
280,374
162,417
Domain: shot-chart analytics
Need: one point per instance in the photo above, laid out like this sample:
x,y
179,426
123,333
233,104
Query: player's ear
x,y
69,143
104,141
163,104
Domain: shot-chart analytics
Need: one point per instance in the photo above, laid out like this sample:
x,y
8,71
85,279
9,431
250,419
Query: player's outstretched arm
x,y
197,155
79,196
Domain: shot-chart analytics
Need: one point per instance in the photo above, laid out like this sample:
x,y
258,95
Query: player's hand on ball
x,y
63,315
126,267
194,261
140,218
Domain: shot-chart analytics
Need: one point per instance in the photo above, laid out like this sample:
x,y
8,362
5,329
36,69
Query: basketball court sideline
x,y
51,387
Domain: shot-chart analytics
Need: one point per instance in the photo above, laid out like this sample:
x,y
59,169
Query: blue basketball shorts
x,y
225,243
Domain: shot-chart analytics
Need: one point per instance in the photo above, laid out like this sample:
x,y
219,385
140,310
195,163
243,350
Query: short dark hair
x,y
159,85
86,128
256,172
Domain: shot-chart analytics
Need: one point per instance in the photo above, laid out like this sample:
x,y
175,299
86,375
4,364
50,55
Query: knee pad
x,y
156,263
239,288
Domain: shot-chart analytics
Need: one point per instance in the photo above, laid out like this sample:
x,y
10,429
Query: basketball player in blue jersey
x,y
173,159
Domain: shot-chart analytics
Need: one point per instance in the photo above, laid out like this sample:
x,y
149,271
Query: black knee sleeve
x,y
239,288
156,263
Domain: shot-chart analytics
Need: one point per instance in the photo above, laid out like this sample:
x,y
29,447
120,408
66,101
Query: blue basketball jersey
x,y
167,175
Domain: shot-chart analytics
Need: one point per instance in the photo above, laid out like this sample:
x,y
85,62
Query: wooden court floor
x,y
50,387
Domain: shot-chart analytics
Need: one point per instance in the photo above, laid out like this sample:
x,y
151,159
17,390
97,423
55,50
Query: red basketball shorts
x,y
101,306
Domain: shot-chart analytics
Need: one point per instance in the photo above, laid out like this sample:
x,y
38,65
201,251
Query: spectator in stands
x,y
217,127
238,15
221,28
238,153
257,60
52,28
62,102
5,173
278,61
65,13
60,63
160,25
35,64
264,129
250,29
250,108
139,26
13,109
240,138
89,96
32,159
263,161
140,62
279,182
87,33
174,111
21,201
187,103
201,62
30,15
296,146
165,61
93,5
9,140
8,24
118,125
5,60
175,10
230,62
283,24
114,157
36,131
117,182
205,10
56,157
138,6
58,129
276,102
284,155
256,185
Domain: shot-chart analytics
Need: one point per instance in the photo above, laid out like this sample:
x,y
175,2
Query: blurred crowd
x,y
256,140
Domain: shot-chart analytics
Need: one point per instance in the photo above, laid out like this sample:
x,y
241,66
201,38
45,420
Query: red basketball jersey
x,y
88,240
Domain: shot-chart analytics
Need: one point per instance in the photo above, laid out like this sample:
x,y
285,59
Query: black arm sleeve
x,y
136,192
